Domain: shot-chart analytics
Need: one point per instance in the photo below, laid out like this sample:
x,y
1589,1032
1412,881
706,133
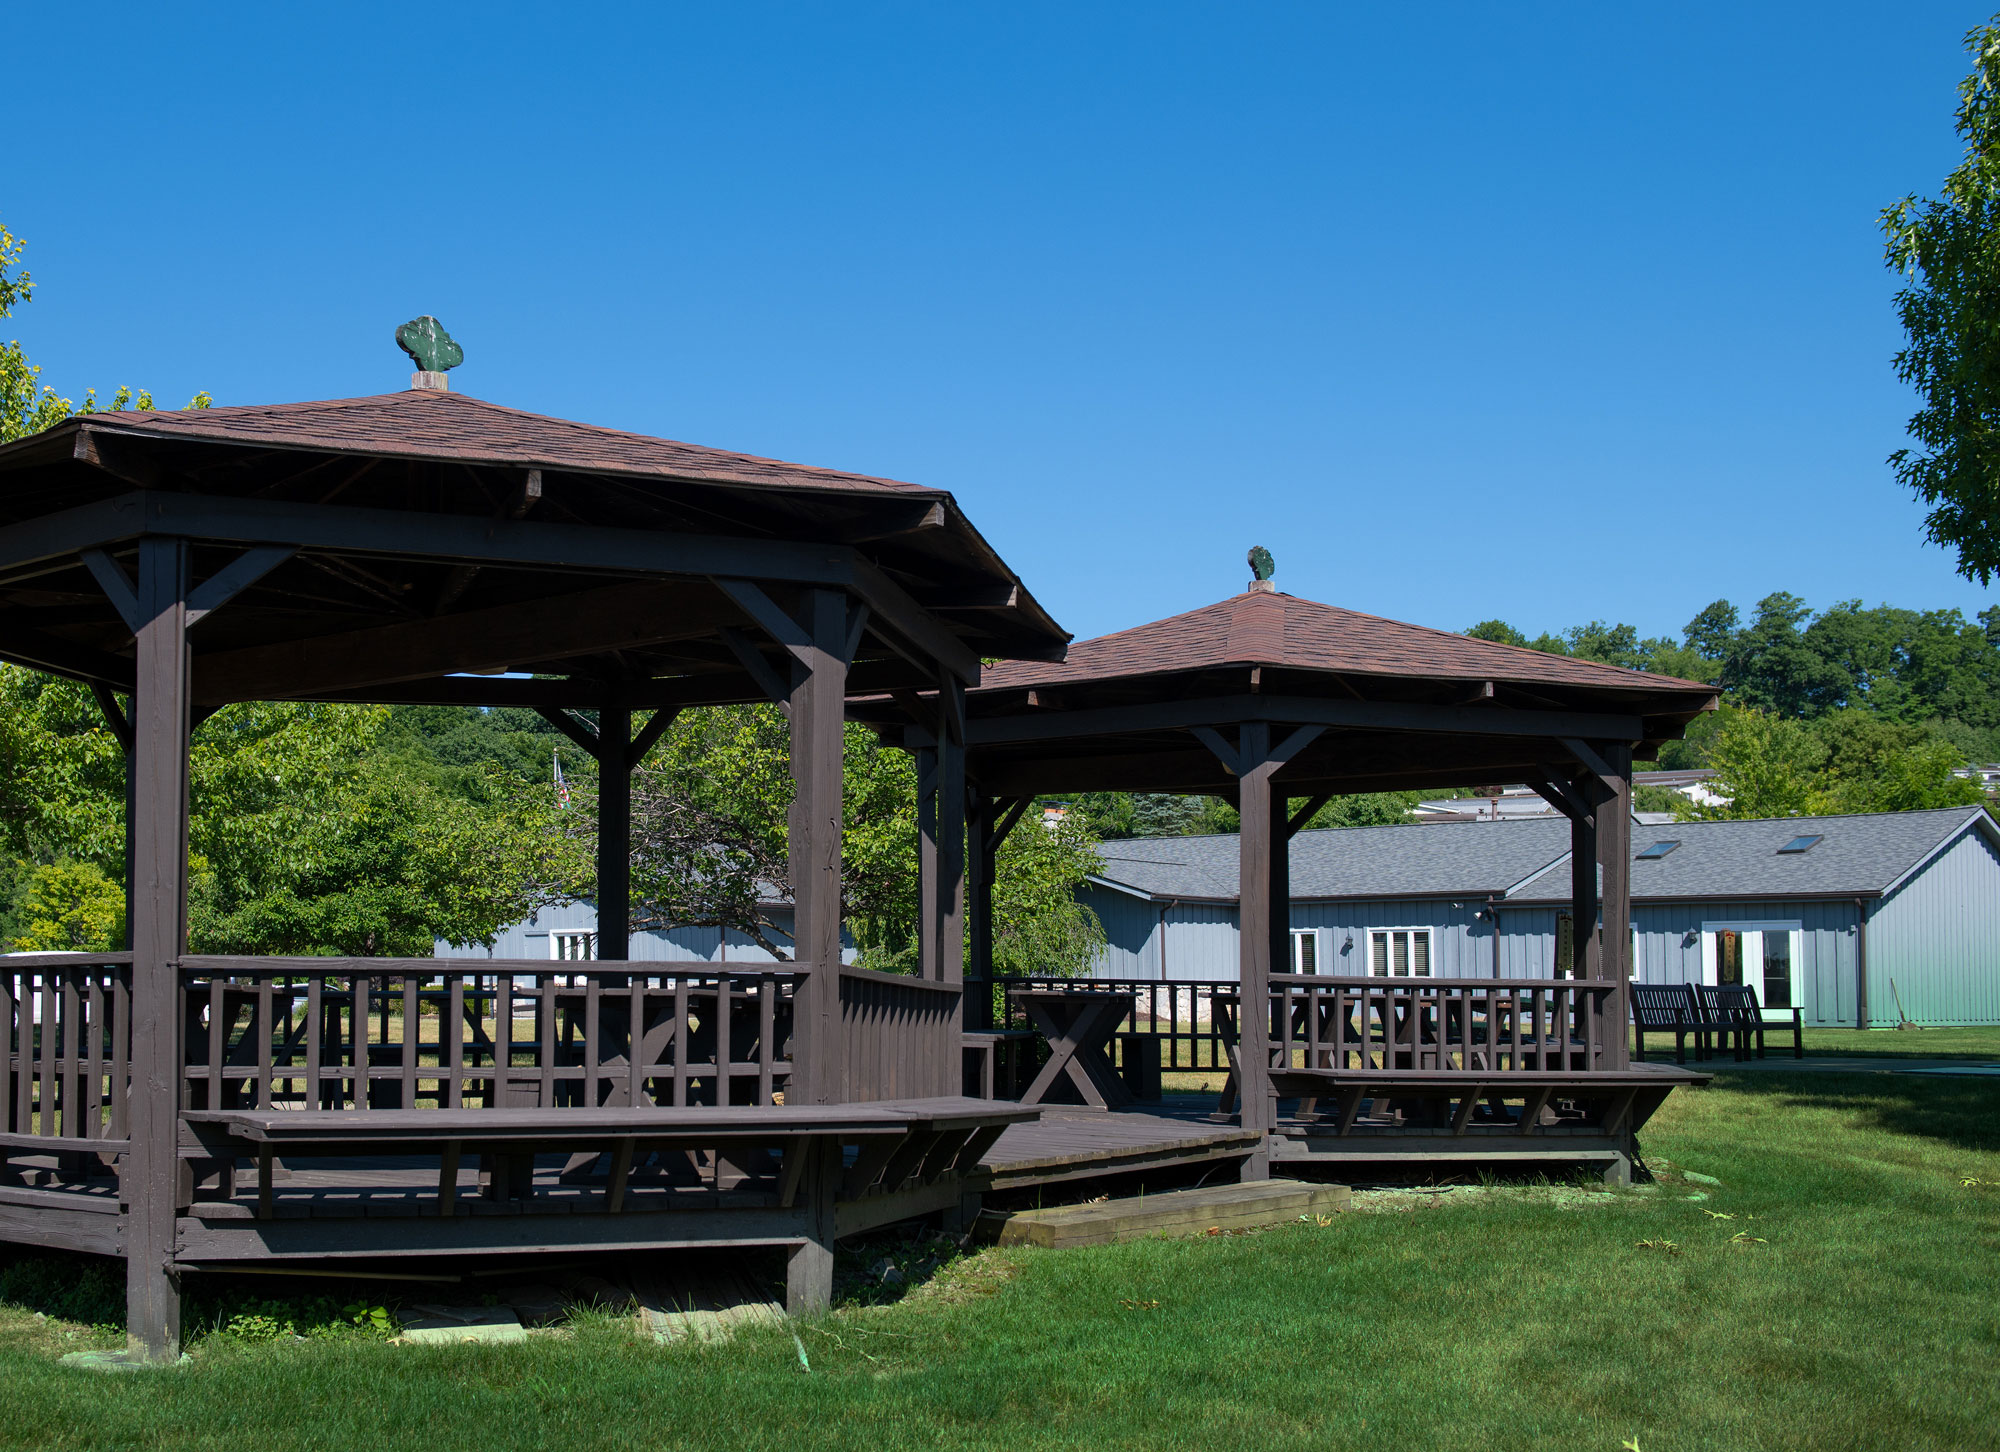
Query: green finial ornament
x,y
1262,566
426,341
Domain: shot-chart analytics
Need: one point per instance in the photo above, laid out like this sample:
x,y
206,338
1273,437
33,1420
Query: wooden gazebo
x,y
1277,704
408,548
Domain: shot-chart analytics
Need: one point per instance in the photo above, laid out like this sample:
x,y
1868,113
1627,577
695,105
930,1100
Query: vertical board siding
x,y
1938,936
1669,948
530,939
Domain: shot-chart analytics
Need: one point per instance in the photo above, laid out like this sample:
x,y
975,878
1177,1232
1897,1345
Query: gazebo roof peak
x,y
1271,629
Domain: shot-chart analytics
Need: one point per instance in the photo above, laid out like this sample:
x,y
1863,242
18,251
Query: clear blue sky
x,y
1427,300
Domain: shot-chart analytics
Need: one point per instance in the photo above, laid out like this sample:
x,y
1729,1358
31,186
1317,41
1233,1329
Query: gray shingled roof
x,y
1529,859
1861,855
1434,861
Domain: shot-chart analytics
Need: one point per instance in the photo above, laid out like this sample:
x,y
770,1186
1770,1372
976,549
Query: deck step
x,y
1248,1206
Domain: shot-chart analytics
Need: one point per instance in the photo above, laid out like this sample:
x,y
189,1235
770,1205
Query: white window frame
x,y
1753,955
560,939
1301,938
1430,950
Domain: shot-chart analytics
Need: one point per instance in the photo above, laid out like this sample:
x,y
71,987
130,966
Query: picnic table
x,y
1078,1024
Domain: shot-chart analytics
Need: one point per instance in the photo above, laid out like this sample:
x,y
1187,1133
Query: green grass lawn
x,y
1835,1290
1930,1043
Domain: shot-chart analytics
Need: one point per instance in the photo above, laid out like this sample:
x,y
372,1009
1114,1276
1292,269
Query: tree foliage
x,y
303,835
1769,765
1948,247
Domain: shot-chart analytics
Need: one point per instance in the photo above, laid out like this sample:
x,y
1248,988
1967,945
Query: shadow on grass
x,y
1957,1112
88,1290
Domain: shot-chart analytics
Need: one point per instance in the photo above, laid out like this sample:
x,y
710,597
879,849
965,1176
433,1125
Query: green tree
x,y
1949,249
710,835
27,406
1039,925
1766,765
70,907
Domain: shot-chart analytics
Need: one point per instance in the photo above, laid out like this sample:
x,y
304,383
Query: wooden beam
x,y
117,457
1306,813
43,652
1588,754
619,617
55,536
117,588
574,729
768,680
114,716
1219,747
544,545
233,578
1297,710
651,732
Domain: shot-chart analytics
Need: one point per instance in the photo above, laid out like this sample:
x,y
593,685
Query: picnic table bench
x,y
870,1153
1614,1092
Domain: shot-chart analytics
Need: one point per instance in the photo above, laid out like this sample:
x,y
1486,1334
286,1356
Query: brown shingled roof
x,y
1285,632
431,424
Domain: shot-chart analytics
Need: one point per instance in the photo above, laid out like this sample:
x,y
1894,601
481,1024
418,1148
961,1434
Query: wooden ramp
x,y
1249,1206
1074,1143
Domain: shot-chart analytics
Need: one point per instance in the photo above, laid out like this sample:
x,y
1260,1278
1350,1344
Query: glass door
x,y
1761,955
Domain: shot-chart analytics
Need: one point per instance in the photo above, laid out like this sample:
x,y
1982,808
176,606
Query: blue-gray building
x,y
1837,915
569,930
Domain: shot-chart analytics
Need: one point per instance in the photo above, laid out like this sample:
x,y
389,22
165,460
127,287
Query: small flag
x,y
562,787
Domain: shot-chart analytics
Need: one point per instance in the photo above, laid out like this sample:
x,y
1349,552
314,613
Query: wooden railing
x,y
450,1033
901,1036
1493,1025
1181,1015
68,1039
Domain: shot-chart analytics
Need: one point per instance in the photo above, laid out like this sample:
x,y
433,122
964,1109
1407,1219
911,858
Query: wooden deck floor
x,y
1073,1144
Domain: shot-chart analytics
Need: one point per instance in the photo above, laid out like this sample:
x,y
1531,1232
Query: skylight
x,y
1803,844
1657,850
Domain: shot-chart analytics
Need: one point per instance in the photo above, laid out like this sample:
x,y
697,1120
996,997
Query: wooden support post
x,y
1281,884
1262,822
950,894
980,846
1583,885
928,922
809,1265
1614,852
817,721
148,1183
614,830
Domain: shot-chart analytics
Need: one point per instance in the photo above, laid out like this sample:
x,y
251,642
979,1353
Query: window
x,y
573,947
1400,952
1305,950
1802,844
1777,970
1657,851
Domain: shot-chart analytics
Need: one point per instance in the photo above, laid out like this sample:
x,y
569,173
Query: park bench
x,y
1733,1015
1668,1008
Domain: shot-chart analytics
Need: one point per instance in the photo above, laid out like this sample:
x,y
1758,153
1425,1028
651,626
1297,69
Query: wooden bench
x,y
1733,1015
1615,1093
1139,1064
886,1157
993,1061
1668,1008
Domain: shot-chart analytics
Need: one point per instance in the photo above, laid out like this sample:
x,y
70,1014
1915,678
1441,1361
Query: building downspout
x,y
1861,963
1163,938
1493,916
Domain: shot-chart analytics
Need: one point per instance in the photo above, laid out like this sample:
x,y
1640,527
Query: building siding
x,y
1938,937
530,939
